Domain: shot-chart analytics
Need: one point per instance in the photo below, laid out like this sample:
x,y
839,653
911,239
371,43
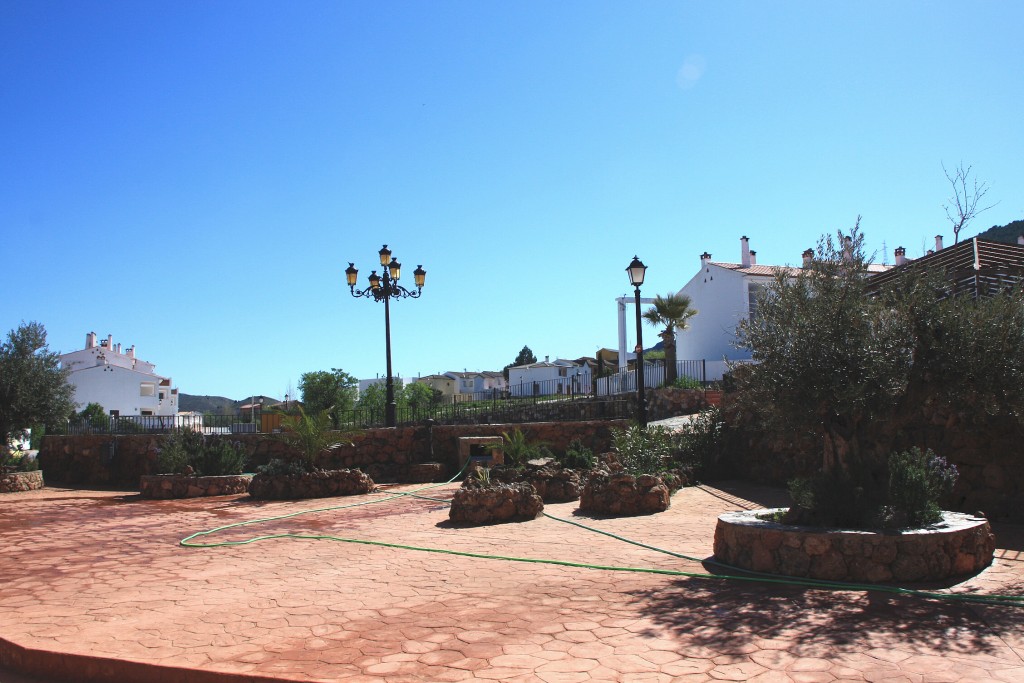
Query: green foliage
x,y
334,392
577,457
841,362
671,312
525,357
417,396
281,466
907,498
219,458
482,476
1004,233
308,434
17,461
33,387
686,383
518,450
94,417
917,481
206,457
643,451
700,442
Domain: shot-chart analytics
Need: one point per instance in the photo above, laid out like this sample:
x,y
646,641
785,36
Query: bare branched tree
x,y
962,207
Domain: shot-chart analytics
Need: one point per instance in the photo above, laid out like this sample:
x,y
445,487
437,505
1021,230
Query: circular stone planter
x,y
959,545
13,482
317,484
184,486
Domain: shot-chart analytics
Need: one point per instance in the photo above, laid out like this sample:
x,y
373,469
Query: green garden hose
x,y
748,576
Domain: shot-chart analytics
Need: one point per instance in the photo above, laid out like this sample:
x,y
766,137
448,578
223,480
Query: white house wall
x,y
117,388
721,299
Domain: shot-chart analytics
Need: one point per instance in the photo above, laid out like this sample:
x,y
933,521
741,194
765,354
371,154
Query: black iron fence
x,y
498,408
689,373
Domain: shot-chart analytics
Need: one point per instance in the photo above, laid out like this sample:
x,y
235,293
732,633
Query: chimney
x,y
131,351
938,243
546,359
808,257
901,256
753,257
119,347
848,249
744,251
705,258
90,340
110,342
1020,239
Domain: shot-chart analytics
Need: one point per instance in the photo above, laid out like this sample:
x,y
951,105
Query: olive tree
x,y
34,389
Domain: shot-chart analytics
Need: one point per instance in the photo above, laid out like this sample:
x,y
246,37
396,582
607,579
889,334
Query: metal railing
x,y
497,409
654,376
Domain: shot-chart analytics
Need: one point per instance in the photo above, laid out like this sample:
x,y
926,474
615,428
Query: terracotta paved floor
x,y
99,577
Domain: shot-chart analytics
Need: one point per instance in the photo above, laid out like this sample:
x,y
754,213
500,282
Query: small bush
x,y
219,458
276,466
836,499
577,457
518,451
916,483
686,383
643,451
17,461
189,448
700,442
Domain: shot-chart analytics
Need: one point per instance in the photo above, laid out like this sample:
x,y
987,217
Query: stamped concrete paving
x,y
95,587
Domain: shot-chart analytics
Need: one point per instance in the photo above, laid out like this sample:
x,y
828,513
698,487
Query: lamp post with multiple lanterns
x,y
384,289
636,271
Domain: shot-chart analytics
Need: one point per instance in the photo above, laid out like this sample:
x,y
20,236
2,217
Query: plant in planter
x,y
640,487
483,501
299,476
191,465
846,365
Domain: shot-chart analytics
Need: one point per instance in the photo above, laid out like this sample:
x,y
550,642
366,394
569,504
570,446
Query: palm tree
x,y
672,312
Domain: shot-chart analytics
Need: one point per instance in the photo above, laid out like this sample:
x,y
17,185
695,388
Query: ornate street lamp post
x,y
384,289
636,271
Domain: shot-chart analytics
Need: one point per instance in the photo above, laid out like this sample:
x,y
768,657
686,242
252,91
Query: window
x,y
147,389
161,397
754,290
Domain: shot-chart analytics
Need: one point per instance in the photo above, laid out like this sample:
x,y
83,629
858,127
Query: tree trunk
x,y
669,338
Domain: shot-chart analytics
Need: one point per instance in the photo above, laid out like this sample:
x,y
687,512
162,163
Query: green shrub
x,y
280,466
643,451
17,461
190,448
308,434
518,451
838,499
699,443
916,483
686,383
577,457
219,458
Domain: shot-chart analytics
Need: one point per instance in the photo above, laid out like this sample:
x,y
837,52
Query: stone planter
x,y
623,494
21,481
553,484
494,504
960,545
317,484
185,486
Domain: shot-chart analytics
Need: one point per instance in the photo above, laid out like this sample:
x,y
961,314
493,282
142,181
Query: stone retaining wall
x,y
961,545
183,486
319,484
21,481
385,454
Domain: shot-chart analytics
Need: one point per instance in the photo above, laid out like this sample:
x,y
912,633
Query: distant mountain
x,y
1004,233
187,403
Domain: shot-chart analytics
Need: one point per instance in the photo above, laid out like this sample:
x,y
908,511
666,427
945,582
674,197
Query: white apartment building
x,y
124,385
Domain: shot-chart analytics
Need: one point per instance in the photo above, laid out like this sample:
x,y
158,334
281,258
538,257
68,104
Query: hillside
x,y
216,404
1004,233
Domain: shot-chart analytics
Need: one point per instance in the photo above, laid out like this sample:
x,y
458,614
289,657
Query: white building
x,y
723,295
560,377
121,383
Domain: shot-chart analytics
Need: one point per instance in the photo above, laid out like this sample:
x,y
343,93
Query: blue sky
x,y
194,177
